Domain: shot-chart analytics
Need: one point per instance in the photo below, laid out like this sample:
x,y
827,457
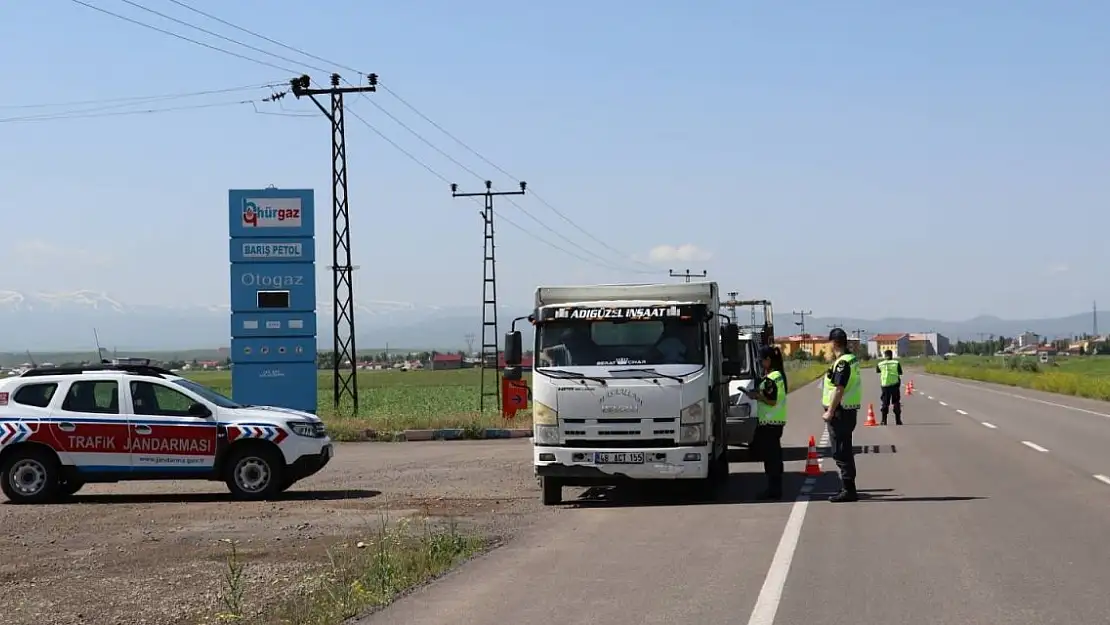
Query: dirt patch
x,y
153,552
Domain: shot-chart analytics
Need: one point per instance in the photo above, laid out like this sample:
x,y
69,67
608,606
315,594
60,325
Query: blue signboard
x,y
273,287
273,250
273,297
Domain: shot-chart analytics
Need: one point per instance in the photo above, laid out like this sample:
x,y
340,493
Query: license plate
x,y
619,457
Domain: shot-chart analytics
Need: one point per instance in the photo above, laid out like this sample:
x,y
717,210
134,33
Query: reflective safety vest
x,y
888,372
774,415
853,394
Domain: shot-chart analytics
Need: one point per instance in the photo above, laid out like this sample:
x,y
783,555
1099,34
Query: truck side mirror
x,y
513,349
732,368
730,342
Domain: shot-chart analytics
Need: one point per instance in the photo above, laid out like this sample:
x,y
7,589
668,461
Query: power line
x,y
428,168
143,98
396,96
219,36
88,114
265,38
184,38
404,102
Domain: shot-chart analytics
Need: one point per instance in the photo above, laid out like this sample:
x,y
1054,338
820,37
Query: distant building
x,y
1028,339
897,343
442,362
813,345
928,344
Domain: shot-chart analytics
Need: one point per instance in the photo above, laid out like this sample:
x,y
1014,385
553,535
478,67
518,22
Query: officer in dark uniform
x,y
841,397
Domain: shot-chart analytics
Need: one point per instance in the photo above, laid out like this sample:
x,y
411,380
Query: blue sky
x,y
939,159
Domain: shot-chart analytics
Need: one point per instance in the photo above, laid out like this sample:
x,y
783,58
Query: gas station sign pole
x,y
273,297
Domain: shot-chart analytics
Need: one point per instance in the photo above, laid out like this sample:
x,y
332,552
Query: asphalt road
x,y
959,523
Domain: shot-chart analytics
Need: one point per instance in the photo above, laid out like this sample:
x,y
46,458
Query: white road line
x,y
943,404
961,411
1032,445
930,396
1023,397
1102,478
770,595
990,425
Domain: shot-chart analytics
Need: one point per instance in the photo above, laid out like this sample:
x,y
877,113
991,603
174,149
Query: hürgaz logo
x,y
272,213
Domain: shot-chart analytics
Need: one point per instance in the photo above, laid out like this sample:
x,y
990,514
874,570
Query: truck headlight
x,y
694,413
545,424
544,415
690,434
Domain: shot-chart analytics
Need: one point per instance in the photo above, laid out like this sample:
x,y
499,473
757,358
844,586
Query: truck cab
x,y
629,382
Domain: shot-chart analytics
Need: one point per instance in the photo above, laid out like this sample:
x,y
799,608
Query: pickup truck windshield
x,y
580,342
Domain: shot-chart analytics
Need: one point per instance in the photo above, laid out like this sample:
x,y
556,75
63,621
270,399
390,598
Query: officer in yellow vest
x,y
770,397
890,379
841,399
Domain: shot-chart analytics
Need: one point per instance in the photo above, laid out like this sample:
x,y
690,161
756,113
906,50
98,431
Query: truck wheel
x,y
254,472
552,491
30,475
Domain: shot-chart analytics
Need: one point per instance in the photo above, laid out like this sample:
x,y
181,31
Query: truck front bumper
x,y
576,466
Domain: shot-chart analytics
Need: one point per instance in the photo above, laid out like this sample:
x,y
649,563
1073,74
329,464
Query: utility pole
x,y
345,384
731,304
469,343
489,292
802,314
1094,319
688,275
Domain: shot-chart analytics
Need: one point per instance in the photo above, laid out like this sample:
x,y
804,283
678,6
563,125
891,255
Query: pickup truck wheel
x,y
70,487
552,491
30,475
254,473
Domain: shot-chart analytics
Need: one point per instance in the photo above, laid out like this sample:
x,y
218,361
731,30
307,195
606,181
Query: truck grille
x,y
620,432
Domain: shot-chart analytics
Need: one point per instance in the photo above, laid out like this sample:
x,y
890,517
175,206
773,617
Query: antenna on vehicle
x,y
99,350
32,359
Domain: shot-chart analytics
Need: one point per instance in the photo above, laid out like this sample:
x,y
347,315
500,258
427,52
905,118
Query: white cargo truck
x,y
630,382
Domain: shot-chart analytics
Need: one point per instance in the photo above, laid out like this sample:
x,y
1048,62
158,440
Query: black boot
x,y
847,493
774,489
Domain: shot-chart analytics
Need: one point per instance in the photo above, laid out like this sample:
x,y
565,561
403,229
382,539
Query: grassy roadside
x,y
360,575
1030,375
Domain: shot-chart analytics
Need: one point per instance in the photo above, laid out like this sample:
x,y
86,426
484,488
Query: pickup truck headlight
x,y
693,414
308,429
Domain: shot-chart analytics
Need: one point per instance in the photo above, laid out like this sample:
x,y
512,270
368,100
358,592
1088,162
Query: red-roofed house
x,y
525,361
446,361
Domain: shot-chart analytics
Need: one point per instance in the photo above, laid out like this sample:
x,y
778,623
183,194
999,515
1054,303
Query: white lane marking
x,y
1023,397
1032,445
770,595
1102,478
930,396
961,411
990,425
943,404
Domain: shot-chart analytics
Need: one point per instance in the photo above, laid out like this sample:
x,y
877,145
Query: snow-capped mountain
x,y
66,320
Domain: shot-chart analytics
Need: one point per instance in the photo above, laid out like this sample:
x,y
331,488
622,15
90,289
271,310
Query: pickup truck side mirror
x,y
199,410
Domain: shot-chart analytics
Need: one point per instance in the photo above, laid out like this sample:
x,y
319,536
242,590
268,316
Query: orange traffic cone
x,y
812,467
909,388
870,416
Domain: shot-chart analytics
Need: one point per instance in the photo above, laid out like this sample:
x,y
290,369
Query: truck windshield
x,y
569,343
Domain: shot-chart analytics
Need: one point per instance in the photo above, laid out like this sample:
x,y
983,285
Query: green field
x,y
1081,376
391,401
